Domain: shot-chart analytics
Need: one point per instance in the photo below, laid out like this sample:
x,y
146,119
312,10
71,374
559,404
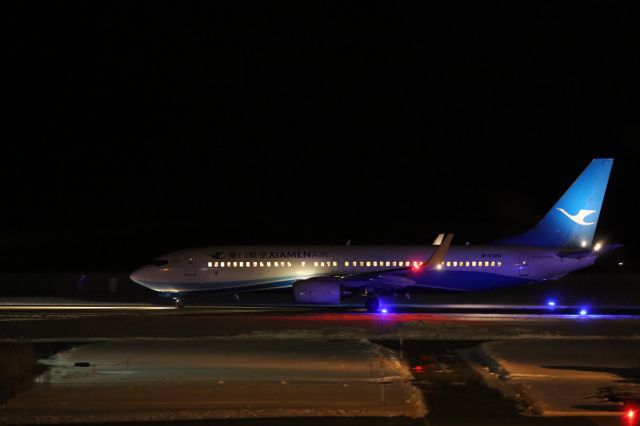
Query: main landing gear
x,y
372,304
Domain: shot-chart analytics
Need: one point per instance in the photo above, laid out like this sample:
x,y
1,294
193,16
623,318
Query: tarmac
x,y
262,360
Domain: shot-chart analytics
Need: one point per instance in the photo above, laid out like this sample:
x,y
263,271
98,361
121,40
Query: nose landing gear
x,y
179,302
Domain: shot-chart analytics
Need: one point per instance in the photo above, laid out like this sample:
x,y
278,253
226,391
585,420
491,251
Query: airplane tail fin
x,y
572,221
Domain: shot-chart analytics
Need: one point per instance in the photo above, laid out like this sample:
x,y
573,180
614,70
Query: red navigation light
x,y
631,414
418,369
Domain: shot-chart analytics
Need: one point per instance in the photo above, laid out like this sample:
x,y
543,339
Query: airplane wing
x,y
399,277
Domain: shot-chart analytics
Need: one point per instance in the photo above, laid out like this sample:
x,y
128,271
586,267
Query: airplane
x,y
562,242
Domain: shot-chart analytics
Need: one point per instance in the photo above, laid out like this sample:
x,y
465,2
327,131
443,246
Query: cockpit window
x,y
160,262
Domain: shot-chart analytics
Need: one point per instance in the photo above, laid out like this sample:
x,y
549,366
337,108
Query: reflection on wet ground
x,y
217,378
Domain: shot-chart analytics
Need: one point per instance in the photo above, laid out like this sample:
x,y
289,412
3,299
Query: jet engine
x,y
325,291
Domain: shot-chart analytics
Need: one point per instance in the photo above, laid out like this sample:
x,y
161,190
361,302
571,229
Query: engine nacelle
x,y
321,291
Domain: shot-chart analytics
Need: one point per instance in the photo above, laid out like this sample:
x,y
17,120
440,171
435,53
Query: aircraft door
x,y
523,266
190,267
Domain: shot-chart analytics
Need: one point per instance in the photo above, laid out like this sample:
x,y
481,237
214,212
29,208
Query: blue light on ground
x,y
383,310
583,311
551,303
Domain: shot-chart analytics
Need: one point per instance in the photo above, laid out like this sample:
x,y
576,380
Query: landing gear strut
x,y
372,304
179,302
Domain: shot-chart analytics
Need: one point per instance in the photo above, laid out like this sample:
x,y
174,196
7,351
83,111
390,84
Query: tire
x,y
372,304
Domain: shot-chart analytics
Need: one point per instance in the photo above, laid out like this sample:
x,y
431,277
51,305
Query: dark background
x,y
133,129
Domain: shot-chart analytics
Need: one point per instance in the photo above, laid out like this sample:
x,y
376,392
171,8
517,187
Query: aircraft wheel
x,y
179,303
372,304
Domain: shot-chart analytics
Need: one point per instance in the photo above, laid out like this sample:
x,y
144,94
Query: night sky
x,y
136,129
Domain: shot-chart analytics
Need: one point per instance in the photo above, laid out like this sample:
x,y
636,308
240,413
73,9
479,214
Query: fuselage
x,y
246,268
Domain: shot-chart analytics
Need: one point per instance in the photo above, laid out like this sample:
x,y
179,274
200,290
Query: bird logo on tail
x,y
579,217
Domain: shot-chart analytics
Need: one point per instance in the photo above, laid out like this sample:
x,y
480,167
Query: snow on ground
x,y
217,378
565,377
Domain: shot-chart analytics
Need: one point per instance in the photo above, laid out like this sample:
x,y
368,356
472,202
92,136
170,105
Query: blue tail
x,y
572,221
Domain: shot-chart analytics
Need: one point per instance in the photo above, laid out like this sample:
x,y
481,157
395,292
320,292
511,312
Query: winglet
x,y
438,256
438,240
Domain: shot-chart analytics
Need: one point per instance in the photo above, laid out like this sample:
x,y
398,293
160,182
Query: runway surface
x,y
51,305
75,319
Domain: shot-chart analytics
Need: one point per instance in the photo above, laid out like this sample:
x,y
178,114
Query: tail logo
x,y
579,217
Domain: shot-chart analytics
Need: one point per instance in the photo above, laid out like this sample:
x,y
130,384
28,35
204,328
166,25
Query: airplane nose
x,y
137,276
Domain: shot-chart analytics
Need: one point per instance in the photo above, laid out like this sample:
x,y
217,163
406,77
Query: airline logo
x,y
579,217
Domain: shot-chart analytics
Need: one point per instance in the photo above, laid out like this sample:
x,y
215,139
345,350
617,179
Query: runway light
x,y
583,312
